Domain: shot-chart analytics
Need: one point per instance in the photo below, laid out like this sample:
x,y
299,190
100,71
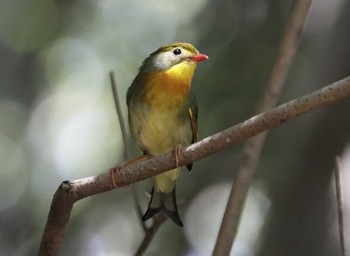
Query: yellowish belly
x,y
165,182
162,131
159,132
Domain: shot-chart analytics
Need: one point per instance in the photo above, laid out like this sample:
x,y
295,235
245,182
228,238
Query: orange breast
x,y
169,88
164,90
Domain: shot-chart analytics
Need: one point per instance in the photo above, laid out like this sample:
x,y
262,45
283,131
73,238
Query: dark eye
x,y
177,51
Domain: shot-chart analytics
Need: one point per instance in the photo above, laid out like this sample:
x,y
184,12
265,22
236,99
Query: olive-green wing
x,y
193,114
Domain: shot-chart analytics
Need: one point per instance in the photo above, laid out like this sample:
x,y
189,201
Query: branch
x,y
71,191
126,155
157,221
339,205
120,115
253,147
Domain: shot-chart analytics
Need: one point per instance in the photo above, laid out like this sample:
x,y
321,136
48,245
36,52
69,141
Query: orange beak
x,y
199,57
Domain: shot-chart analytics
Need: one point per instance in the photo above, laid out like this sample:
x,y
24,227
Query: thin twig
x,y
120,116
126,151
339,205
70,192
157,221
252,149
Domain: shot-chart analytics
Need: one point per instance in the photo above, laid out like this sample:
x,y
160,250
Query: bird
x,y
162,115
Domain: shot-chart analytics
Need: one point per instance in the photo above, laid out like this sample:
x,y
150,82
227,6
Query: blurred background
x,y
58,122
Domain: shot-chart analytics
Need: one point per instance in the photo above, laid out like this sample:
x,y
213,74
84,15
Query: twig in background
x,y
120,116
339,204
253,147
126,151
157,221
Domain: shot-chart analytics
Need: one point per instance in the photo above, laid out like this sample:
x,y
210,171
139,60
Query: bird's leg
x,y
178,154
116,169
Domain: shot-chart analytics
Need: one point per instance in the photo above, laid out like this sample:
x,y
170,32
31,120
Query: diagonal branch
x,y
150,232
339,205
70,192
253,147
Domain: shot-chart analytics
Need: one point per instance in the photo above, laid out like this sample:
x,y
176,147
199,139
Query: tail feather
x,y
165,202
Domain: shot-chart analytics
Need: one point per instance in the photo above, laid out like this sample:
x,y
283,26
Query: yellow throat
x,y
171,86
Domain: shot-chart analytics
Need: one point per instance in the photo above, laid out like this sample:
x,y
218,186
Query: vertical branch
x,y
252,149
160,218
124,137
57,221
120,116
339,205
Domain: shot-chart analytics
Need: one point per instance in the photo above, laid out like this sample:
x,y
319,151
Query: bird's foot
x,y
114,171
178,154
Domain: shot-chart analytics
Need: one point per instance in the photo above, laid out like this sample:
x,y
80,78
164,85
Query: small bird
x,y
163,115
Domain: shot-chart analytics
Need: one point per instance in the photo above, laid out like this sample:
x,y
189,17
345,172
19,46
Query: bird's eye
x,y
177,51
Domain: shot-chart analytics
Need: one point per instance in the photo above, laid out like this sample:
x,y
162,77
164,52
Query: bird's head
x,y
176,56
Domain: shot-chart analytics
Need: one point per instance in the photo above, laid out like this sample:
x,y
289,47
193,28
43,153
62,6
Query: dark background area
x,y
58,122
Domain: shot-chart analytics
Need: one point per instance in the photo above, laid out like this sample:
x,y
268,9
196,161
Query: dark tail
x,y
165,202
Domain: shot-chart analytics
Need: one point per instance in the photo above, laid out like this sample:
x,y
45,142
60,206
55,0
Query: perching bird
x,y
163,114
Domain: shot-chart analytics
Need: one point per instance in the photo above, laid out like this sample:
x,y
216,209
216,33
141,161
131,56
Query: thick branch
x,y
58,218
75,190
